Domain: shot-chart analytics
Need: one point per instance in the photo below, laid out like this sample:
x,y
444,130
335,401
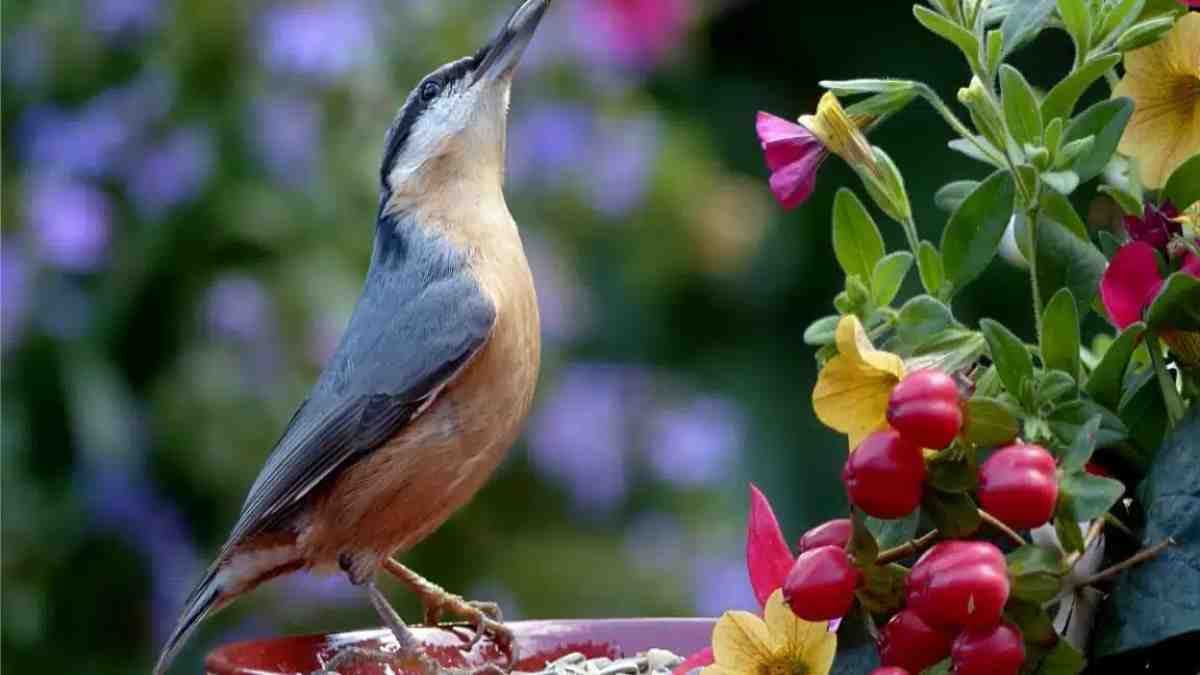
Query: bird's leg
x,y
484,616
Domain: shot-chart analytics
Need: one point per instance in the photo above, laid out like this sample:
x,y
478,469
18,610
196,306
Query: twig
x,y
1121,527
910,547
1008,531
1093,532
1139,557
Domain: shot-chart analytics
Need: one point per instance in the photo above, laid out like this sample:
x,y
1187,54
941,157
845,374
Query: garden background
x,y
188,197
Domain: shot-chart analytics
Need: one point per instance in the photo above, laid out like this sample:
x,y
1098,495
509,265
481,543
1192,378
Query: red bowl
x,y
536,641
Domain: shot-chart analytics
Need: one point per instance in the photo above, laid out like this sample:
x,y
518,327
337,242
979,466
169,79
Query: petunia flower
x,y
1156,225
1133,279
852,389
1161,79
780,642
768,561
794,152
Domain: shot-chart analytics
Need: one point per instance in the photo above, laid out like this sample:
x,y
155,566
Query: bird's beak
x,y
505,50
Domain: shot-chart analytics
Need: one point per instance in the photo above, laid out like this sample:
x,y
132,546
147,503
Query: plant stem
x,y
1031,228
1121,527
1093,532
961,129
1171,400
1006,530
1139,557
910,547
910,233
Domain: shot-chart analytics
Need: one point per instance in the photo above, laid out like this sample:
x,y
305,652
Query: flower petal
x,y
1130,282
741,642
773,129
793,184
807,642
702,658
1191,264
852,389
768,558
852,341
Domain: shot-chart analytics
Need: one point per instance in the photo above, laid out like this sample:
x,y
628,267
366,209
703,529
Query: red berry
x,y
821,584
1019,485
1097,470
909,642
835,532
998,650
889,670
959,584
885,475
926,409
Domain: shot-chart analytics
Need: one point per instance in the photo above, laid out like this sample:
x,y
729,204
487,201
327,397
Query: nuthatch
x,y
434,375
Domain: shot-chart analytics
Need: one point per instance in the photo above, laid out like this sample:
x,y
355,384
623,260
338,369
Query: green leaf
x,y
989,422
1130,205
1064,659
1078,21
882,589
1032,619
1177,305
1106,121
1054,387
1119,17
952,471
1145,33
920,318
822,331
952,194
1060,333
1145,414
950,351
868,86
971,149
1082,447
1069,152
995,50
862,546
1104,385
1036,572
1089,496
1067,419
1061,100
893,532
1058,208
929,266
1183,187
1157,600
973,235
1062,181
1012,360
1066,526
954,514
857,242
1109,243
961,37
1065,261
888,276
1024,21
1021,110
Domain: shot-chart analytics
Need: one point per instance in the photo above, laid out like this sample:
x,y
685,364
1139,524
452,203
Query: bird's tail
x,y
205,598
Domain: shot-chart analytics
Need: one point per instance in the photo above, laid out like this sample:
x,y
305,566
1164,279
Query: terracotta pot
x,y
537,642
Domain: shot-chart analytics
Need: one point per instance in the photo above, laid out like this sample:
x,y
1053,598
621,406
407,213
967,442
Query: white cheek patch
x,y
435,130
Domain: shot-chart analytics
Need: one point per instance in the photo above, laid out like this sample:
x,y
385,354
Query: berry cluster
x,y
955,595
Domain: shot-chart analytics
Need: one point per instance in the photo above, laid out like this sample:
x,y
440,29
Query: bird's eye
x,y
429,90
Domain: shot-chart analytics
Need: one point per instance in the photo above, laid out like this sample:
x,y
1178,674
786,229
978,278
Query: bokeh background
x,y
188,195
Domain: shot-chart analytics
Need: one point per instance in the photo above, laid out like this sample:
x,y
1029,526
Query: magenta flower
x,y
1155,226
1133,279
793,155
637,34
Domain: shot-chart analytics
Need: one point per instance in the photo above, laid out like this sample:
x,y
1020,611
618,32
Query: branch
x,y
1139,557
910,547
1006,530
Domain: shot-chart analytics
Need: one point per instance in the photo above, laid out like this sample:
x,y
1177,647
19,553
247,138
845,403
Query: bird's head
x,y
451,129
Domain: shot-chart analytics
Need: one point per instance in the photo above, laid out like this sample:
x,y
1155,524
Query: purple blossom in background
x,y
696,444
70,221
15,292
172,172
720,583
633,34
321,40
238,308
562,304
94,140
124,19
285,132
122,501
549,143
578,437
623,158
655,541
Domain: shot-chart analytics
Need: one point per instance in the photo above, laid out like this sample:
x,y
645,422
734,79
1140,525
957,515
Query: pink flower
x,y
1133,279
633,33
768,561
1155,226
793,155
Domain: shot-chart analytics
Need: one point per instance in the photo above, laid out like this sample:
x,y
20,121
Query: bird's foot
x,y
413,662
485,617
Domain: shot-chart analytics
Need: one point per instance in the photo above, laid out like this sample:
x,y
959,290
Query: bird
x,y
433,378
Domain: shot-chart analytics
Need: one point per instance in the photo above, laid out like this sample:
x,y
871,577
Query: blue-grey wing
x,y
420,319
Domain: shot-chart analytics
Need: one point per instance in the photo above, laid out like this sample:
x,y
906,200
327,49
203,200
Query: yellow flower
x,y
1163,79
852,389
784,644
840,132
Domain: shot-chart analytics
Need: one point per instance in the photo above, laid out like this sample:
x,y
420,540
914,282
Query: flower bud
x,y
984,113
885,184
839,133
